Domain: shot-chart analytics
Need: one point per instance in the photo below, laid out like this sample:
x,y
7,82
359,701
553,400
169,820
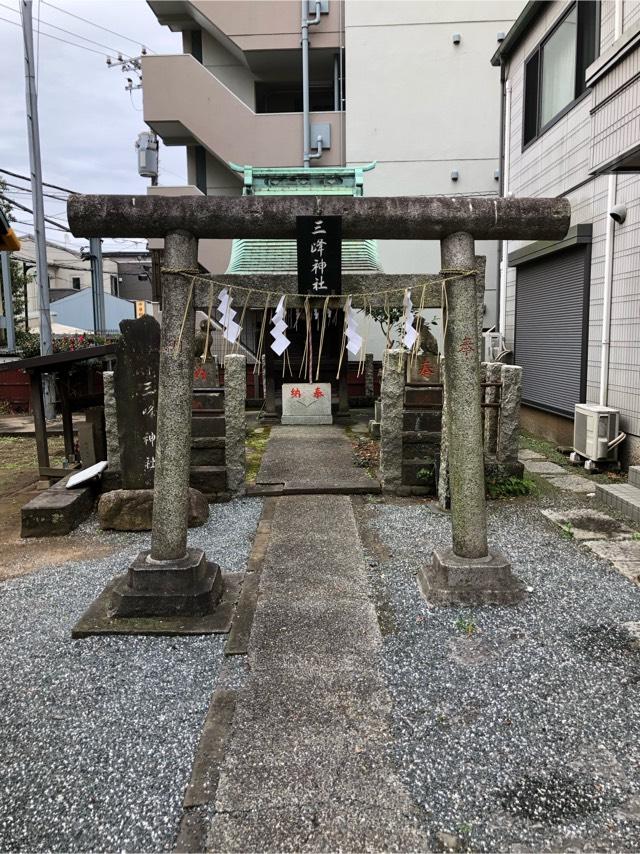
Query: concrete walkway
x,y
318,459
308,766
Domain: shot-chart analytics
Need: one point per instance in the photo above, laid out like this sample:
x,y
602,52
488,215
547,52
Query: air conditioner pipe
x,y
306,121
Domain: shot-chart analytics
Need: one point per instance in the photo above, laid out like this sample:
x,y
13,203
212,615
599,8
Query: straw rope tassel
x,y
262,327
184,319
206,345
344,344
244,311
325,308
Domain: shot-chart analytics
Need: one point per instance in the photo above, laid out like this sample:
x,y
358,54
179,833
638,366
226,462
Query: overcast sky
x,y
88,122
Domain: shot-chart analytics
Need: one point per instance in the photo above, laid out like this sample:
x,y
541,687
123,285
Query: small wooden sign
x,y
319,243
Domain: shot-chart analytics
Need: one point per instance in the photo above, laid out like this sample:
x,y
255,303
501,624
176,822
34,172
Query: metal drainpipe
x,y
506,164
612,188
306,122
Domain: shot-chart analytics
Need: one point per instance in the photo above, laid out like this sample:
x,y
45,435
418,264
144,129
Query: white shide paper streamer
x,y
280,340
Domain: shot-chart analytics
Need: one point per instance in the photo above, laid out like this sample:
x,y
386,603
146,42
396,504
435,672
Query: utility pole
x,y
7,301
35,171
97,284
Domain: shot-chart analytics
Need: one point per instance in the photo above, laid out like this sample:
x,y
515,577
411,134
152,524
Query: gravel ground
x,y
516,728
98,735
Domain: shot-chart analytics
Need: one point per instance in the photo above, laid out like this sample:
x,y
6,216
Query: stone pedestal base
x,y
453,580
191,586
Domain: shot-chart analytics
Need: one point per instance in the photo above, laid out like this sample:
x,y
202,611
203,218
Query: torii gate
x,y
174,580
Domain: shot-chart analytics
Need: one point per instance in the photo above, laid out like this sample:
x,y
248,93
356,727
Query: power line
x,y
29,211
30,225
92,24
68,32
18,189
56,38
44,183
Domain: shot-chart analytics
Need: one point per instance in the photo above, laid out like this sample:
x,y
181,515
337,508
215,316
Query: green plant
x,y
465,828
567,530
636,535
508,487
466,625
426,473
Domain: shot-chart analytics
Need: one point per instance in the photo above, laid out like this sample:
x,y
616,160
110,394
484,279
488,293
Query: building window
x,y
114,285
75,283
554,74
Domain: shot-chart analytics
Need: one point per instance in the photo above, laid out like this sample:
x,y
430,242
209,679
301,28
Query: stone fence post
x,y
509,432
443,471
391,424
235,395
491,413
111,423
368,375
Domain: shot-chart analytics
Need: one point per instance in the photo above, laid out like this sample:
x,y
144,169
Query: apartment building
x,y
405,83
571,126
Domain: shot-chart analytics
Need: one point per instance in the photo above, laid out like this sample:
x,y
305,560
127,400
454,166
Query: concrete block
x,y
453,580
57,510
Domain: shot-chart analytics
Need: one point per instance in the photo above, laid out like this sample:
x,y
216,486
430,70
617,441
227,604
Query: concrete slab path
x,y
304,459
309,764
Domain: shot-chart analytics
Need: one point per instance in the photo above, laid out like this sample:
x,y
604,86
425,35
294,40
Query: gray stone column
x,y
368,375
468,573
464,418
391,424
235,395
111,422
173,448
509,433
494,375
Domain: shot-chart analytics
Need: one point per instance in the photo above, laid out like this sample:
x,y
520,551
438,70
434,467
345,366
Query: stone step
x,y
427,396
419,472
204,424
634,475
623,497
213,401
421,420
210,480
57,510
208,451
420,444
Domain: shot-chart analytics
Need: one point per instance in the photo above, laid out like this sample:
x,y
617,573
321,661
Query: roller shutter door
x,y
551,329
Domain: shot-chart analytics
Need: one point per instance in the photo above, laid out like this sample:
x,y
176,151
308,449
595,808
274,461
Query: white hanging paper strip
x,y
280,340
230,329
410,333
354,339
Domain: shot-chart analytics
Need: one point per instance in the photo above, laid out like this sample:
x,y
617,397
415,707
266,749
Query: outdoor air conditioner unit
x,y
492,345
596,434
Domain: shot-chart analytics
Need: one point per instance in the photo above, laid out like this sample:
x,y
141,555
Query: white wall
x,y
558,163
422,106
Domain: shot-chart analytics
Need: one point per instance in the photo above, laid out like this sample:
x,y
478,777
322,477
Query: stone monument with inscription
x,y
135,385
306,403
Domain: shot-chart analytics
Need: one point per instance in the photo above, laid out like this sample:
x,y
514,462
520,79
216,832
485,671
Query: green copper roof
x,y
279,256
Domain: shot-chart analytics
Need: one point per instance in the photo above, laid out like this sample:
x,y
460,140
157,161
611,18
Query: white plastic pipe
x,y
612,186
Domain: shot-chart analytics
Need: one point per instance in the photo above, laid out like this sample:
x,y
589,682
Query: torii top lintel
x,y
382,218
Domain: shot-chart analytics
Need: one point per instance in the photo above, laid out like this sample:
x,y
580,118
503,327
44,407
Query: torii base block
x,y
454,580
191,587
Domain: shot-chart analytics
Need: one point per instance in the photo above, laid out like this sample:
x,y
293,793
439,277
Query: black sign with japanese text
x,y
319,255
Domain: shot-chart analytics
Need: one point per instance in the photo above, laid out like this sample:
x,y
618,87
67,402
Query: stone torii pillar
x,y
175,580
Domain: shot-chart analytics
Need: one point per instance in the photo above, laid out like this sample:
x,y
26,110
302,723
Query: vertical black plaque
x,y
135,381
319,243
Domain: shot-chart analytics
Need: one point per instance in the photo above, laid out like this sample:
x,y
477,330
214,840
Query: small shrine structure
x,y
254,258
